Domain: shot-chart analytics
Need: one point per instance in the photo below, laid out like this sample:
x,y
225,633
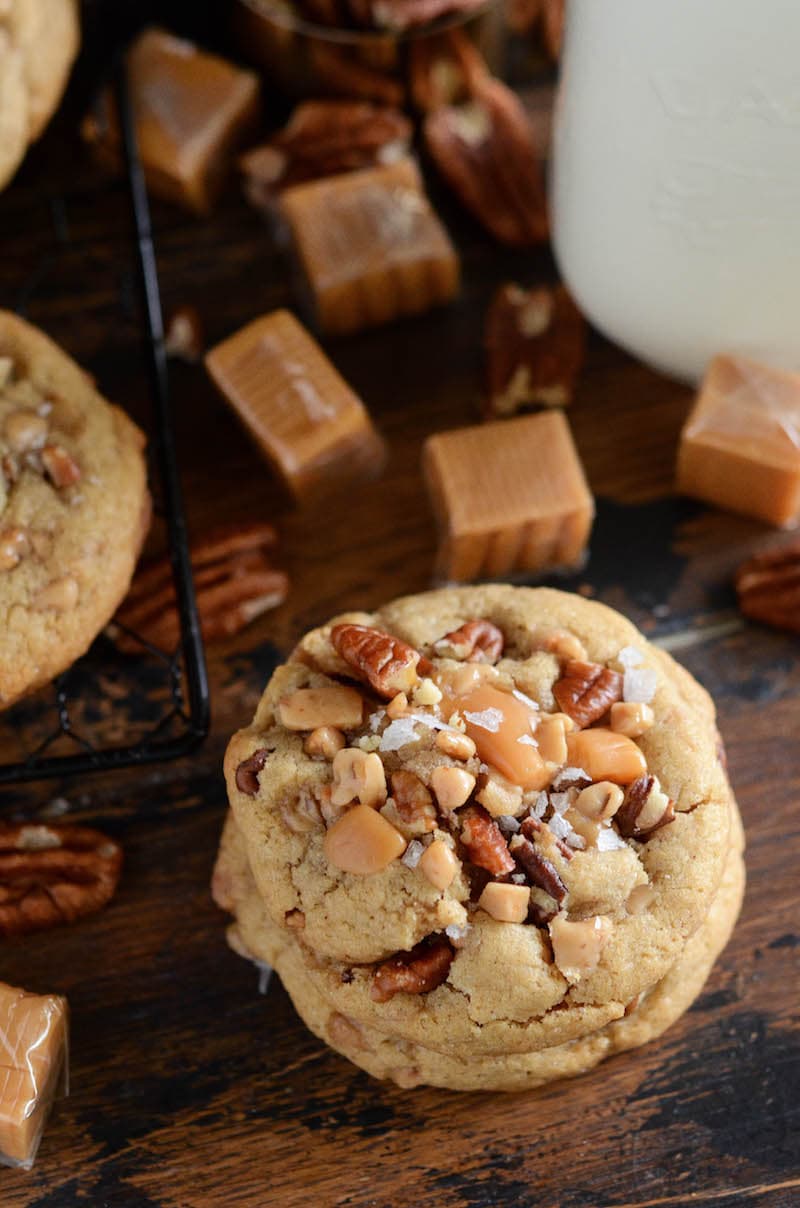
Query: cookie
x,y
74,508
411,1064
39,40
484,820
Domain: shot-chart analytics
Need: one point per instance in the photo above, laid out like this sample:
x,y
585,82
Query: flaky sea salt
x,y
560,801
608,839
508,824
457,934
629,656
528,740
411,856
264,975
571,776
526,700
376,718
559,826
487,719
539,806
399,733
518,878
639,685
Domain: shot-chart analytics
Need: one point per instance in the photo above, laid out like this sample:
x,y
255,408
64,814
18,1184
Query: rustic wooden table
x,y
188,1087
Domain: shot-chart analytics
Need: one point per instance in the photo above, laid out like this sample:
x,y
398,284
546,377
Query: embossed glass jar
x,y
675,183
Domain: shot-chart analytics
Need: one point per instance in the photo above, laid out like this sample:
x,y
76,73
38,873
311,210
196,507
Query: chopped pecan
x,y
59,466
388,664
324,138
768,587
444,69
535,343
234,583
248,769
54,874
483,841
553,26
645,809
586,691
185,338
474,642
538,868
486,151
413,801
14,545
416,972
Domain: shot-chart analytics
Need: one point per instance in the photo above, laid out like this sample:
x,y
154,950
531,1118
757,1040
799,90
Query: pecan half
x,y
538,868
553,12
535,343
234,580
586,691
388,664
416,972
645,810
483,841
59,466
444,69
768,587
54,874
248,769
324,138
413,801
486,151
474,642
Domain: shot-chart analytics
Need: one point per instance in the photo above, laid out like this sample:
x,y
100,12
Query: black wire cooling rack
x,y
112,710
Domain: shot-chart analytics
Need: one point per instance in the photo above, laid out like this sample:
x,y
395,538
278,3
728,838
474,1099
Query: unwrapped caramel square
x,y
740,446
33,1054
510,497
301,413
370,246
193,110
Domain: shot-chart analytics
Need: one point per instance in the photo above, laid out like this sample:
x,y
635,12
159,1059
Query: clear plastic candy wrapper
x,y
33,1069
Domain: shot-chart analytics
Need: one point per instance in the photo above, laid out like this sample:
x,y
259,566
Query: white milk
x,y
676,177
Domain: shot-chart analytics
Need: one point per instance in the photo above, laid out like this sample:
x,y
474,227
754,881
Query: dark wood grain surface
x,y
188,1087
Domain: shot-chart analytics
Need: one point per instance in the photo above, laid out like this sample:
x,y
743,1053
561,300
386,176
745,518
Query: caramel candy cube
x,y
740,446
370,246
33,1055
510,497
303,416
193,111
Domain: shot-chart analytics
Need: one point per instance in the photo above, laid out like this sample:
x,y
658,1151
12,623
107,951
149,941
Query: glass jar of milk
x,y
675,182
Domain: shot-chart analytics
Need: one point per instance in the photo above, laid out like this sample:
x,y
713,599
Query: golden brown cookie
x,y
74,508
39,40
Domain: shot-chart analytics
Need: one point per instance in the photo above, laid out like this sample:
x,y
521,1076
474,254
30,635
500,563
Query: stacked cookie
x,y
483,835
39,40
74,508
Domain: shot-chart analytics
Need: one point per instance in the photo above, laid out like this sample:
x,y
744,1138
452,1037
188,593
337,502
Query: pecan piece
x,y
413,801
474,642
768,587
535,343
444,69
553,12
541,871
645,810
416,972
388,664
14,545
324,138
59,466
342,74
486,151
586,691
54,874
234,580
483,841
248,769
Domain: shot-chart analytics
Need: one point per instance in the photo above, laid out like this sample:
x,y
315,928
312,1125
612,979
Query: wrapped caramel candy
x,y
740,446
33,1042
509,497
193,112
370,246
303,416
